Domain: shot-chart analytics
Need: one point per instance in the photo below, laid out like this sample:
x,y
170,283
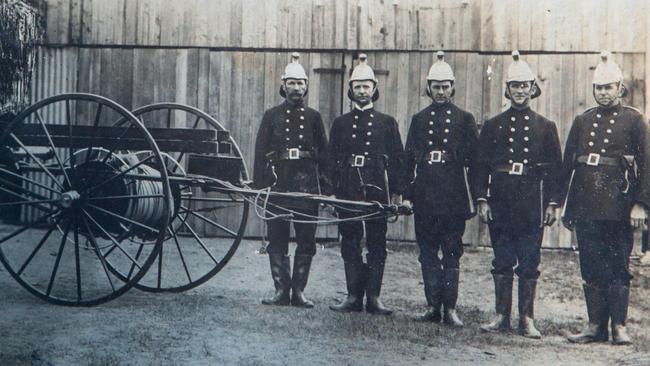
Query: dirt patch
x,y
222,322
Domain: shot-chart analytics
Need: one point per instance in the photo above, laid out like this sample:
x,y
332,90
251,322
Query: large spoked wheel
x,y
78,198
207,227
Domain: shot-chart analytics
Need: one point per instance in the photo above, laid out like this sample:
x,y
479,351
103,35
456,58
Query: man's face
x,y
520,92
606,94
295,89
362,91
441,91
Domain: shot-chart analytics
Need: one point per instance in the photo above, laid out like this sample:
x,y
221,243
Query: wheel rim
x,y
77,203
190,256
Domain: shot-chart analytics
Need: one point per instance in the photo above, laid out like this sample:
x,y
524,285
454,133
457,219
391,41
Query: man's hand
x,y
396,199
408,204
484,212
638,215
550,216
329,209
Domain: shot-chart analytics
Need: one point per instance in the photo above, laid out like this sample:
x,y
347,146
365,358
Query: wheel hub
x,y
69,197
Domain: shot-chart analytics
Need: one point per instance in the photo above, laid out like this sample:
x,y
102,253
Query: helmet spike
x,y
604,56
363,57
515,55
294,70
440,55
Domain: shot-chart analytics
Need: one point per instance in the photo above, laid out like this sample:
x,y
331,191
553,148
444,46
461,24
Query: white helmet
x,y
294,70
440,70
519,70
607,71
363,71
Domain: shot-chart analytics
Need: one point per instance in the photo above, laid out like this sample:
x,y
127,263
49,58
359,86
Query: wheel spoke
x,y
97,251
160,265
29,226
69,121
137,256
39,206
125,197
210,199
122,218
135,262
38,247
58,260
77,262
180,253
37,161
29,180
92,137
198,239
234,234
135,166
28,202
114,147
21,190
49,139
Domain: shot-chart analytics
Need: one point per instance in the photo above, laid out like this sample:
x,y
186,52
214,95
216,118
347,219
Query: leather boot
x,y
373,290
526,308
619,297
450,296
596,329
432,279
280,267
503,304
301,266
354,281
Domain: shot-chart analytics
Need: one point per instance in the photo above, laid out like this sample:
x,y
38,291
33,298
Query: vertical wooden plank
x,y
491,23
252,31
429,30
524,25
144,74
647,68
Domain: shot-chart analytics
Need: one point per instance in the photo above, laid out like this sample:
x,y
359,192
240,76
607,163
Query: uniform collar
x,y
364,108
616,108
441,107
288,105
526,110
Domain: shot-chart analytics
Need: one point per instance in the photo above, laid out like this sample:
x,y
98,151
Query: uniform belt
x,y
360,161
294,154
515,169
597,159
436,156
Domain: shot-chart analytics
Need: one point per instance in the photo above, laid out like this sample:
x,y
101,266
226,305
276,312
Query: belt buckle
x,y
435,156
516,169
294,153
359,161
593,159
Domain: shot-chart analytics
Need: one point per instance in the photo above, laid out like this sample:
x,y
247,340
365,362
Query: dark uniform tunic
x,y
365,150
602,189
289,151
517,169
441,142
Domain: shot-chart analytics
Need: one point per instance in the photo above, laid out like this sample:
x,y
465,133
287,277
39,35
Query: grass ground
x,y
222,322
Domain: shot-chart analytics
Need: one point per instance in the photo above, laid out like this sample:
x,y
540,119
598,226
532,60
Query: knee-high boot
x,y
503,304
526,308
450,296
301,266
354,280
280,270
596,329
373,290
432,279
